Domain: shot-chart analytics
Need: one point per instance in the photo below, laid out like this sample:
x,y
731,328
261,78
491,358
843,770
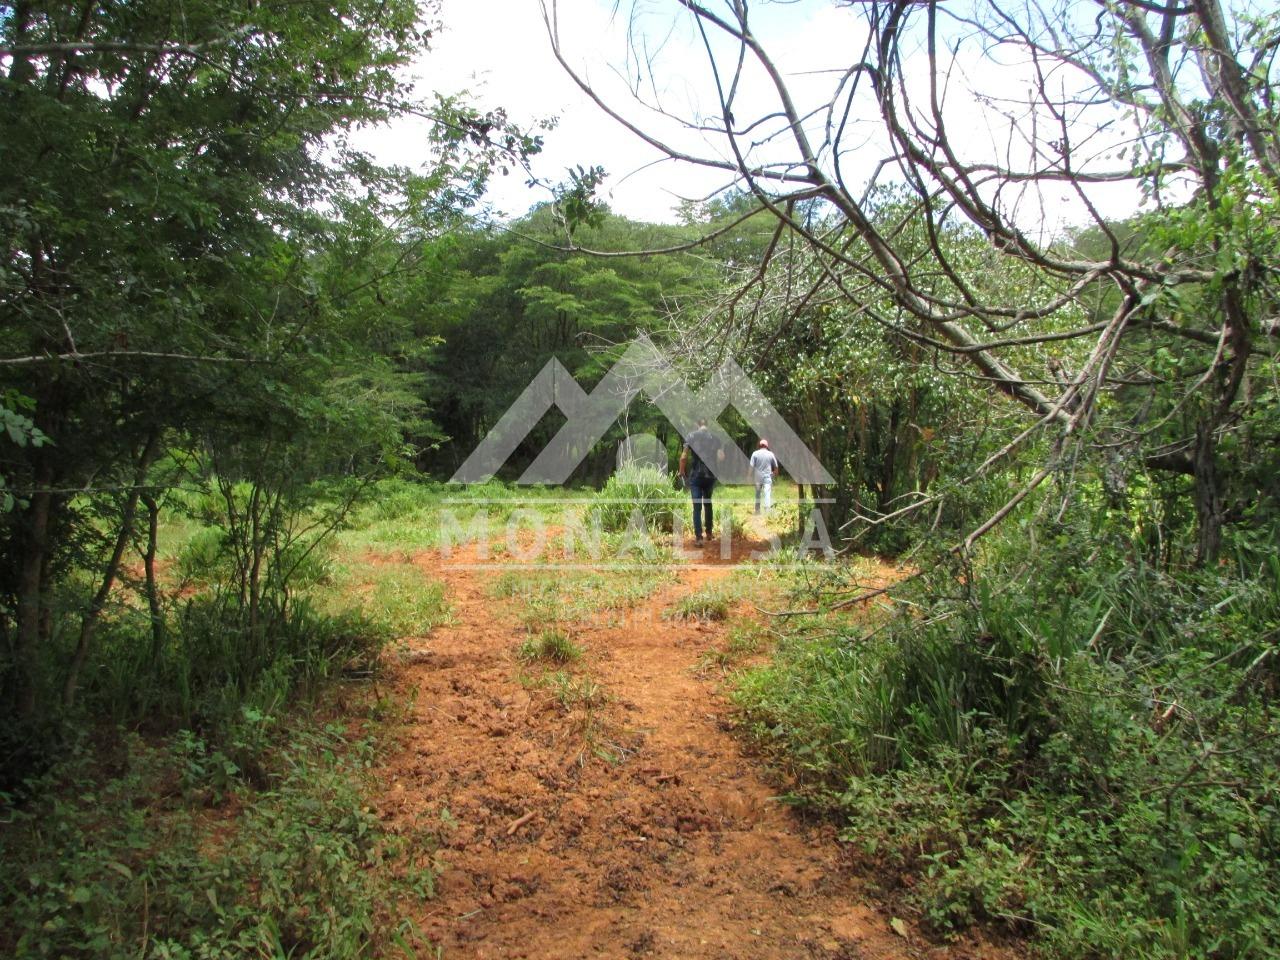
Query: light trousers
x,y
764,492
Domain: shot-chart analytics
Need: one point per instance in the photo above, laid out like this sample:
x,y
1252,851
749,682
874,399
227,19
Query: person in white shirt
x,y
764,467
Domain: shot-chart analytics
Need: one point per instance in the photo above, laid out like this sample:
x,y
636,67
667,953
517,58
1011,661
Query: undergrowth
x,y
166,850
1087,754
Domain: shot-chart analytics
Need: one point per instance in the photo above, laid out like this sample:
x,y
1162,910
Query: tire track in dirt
x,y
674,847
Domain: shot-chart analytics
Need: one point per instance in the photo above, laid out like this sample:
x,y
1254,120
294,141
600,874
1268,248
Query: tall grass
x,y
637,494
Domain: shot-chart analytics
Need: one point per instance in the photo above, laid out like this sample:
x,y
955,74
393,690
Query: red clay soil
x,y
638,827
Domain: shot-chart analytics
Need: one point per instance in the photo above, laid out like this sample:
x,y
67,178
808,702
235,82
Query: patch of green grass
x,y
542,611
617,588
541,598
520,584
124,865
398,598
745,639
535,597
550,646
408,516
714,602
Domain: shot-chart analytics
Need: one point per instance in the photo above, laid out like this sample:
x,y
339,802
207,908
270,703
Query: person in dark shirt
x,y
701,449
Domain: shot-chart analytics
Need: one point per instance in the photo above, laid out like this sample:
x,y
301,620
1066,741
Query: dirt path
x,y
627,823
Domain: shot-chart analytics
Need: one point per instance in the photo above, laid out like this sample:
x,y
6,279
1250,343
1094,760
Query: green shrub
x,y
204,557
1087,754
636,491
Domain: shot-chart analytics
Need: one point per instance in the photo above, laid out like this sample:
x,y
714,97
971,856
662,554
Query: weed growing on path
x,y
550,646
713,602
574,692
745,639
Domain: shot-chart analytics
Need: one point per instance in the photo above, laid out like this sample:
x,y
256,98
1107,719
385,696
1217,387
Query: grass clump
x,y
550,646
712,603
636,496
574,692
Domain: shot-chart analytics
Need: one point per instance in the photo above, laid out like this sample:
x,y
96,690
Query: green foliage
x,y
575,201
210,666
507,304
636,496
212,304
888,419
19,429
1087,753
120,865
396,600
259,630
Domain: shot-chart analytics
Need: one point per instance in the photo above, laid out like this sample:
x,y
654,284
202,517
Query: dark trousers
x,y
700,490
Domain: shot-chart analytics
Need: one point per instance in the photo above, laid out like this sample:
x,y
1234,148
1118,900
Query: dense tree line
x,y
181,214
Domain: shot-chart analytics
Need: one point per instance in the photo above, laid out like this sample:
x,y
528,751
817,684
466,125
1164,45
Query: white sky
x,y
499,51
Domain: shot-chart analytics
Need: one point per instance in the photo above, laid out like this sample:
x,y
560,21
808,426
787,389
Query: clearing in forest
x,y
568,743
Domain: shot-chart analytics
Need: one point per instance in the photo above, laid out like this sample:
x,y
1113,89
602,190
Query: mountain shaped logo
x,y
641,370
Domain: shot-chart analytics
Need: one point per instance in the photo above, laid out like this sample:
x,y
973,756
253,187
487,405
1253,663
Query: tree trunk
x,y
149,569
30,586
1209,510
20,69
888,478
1208,496
92,616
